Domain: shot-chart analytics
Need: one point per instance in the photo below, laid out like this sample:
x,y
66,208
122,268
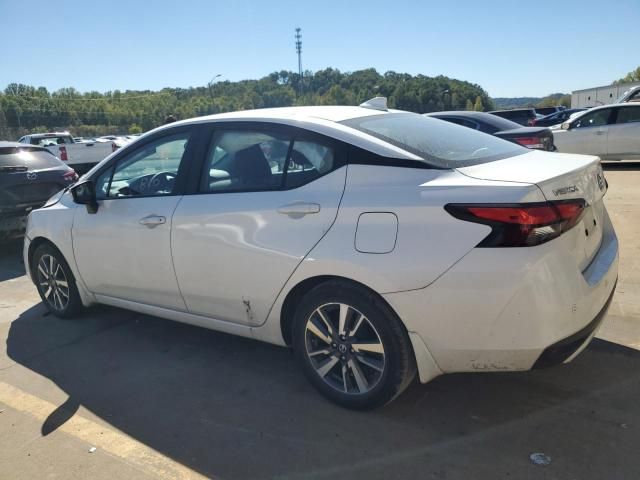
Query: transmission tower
x,y
298,37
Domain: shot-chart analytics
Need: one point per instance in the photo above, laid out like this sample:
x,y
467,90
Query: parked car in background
x,y
523,116
530,137
611,131
29,176
557,117
631,95
374,242
80,156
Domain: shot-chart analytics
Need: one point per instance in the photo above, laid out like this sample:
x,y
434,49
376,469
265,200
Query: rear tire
x,y
352,347
55,282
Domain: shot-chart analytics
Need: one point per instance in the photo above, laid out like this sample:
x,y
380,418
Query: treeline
x,y
25,108
553,100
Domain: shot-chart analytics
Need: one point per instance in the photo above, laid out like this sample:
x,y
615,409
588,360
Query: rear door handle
x,y
601,132
298,209
153,221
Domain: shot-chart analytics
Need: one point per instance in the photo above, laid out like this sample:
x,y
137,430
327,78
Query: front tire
x,y
55,282
352,346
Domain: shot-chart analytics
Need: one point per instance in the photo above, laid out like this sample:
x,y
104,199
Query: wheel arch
x,y
33,246
295,295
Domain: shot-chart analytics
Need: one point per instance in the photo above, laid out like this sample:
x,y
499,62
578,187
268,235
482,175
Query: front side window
x,y
149,170
628,115
439,144
593,119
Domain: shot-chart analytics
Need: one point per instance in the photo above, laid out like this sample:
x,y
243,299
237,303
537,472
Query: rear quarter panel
x,y
429,240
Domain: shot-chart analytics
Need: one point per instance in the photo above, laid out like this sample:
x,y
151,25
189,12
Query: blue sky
x,y
511,48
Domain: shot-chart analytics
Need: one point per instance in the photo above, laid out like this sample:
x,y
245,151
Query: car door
x,y
123,250
623,141
587,135
266,196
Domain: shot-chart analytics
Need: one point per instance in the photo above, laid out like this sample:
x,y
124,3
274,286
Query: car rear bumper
x,y
507,309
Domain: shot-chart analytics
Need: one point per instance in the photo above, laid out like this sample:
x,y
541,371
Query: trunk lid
x,y
560,177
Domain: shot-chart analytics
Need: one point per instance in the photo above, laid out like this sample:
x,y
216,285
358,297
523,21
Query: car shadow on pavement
x,y
11,265
235,408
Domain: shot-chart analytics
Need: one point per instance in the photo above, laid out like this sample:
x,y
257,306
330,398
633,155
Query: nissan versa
x,y
377,243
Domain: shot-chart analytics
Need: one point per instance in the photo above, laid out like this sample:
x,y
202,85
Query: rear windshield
x,y
49,141
440,144
31,158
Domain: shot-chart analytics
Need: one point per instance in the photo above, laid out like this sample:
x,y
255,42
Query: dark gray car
x,y
29,176
537,138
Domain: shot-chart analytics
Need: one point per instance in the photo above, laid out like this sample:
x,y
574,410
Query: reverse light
x,y
521,225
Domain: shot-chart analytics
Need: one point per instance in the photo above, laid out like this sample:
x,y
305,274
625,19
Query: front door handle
x,y
153,221
601,132
299,209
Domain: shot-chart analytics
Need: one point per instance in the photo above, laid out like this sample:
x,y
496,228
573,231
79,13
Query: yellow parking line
x,y
104,438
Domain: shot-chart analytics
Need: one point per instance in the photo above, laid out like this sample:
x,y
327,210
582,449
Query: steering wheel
x,y
161,181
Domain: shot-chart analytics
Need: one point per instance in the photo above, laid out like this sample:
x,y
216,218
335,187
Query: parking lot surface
x,y
115,394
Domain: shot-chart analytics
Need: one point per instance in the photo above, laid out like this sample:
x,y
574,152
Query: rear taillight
x,y
114,147
530,142
532,122
63,154
70,176
521,225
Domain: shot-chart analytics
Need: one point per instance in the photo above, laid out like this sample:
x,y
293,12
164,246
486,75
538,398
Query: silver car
x,y
611,131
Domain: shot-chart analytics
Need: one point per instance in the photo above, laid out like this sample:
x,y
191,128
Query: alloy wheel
x,y
344,348
53,282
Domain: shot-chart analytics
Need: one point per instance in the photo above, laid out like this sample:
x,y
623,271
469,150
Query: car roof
x,y
4,144
330,113
48,134
322,119
528,109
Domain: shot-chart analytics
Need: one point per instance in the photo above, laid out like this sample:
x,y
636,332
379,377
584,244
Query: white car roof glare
x,y
376,103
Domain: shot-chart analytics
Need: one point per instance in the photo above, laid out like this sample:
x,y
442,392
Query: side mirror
x,y
565,126
85,194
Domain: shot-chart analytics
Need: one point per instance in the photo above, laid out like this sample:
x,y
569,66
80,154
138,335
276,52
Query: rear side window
x,y
246,160
51,141
439,144
31,158
628,115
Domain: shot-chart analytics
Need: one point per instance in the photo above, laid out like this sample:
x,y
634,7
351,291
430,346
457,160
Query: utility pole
x,y
298,37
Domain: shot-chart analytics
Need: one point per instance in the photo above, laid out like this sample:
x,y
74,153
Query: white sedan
x,y
611,131
376,243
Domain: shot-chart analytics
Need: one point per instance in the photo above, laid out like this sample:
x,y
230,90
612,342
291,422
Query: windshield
x,y
441,144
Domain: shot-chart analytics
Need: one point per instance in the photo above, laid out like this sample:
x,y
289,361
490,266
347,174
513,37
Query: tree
x,y
478,106
23,108
633,76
